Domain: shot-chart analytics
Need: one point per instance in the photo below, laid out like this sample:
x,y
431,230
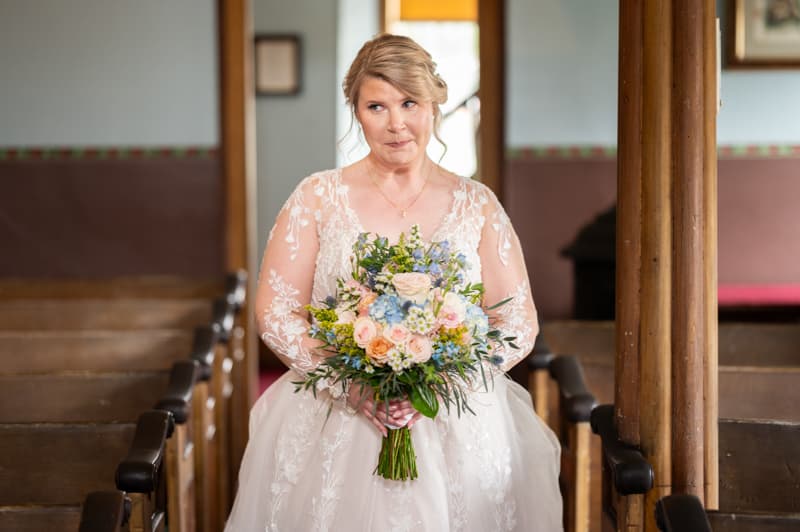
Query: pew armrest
x,y
539,361
236,289
577,401
681,513
104,511
139,471
205,339
630,472
224,316
178,398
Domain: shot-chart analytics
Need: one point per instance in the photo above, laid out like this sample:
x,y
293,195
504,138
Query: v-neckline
x,y
438,228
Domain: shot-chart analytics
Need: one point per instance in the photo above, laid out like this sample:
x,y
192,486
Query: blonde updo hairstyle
x,y
403,63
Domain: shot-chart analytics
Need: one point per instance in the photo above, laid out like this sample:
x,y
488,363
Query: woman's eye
x,y
374,107
409,103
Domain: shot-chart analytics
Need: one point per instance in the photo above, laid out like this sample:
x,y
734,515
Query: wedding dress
x,y
305,470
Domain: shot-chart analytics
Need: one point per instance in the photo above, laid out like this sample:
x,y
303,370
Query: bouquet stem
x,y
397,460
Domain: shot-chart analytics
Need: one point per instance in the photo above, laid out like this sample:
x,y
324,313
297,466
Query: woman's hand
x,y
360,399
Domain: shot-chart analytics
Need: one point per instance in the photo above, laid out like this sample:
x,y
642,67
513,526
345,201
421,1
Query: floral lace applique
x,y
284,330
502,226
290,451
514,320
322,508
401,519
495,480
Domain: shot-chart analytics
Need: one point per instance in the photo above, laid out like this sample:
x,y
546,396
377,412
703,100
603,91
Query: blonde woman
x,y
497,470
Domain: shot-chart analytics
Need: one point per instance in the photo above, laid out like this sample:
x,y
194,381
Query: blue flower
x,y
420,268
330,301
435,269
386,308
418,254
353,361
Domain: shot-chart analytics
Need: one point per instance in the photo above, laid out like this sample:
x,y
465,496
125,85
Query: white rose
x,y
453,311
412,286
345,316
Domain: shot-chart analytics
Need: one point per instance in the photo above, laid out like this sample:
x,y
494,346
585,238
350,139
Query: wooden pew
x,y
759,480
759,466
173,307
105,511
205,351
573,410
47,469
758,361
103,314
242,377
625,473
91,398
92,350
685,513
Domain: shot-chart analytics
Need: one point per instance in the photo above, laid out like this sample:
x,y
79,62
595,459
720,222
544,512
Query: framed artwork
x,y
763,34
277,64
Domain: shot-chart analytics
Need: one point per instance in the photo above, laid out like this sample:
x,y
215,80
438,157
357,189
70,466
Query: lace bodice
x,y
310,247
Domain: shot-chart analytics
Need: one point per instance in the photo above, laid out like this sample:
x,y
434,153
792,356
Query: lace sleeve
x,y
504,276
286,278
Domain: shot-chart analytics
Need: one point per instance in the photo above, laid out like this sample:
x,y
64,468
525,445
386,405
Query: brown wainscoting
x,y
550,198
70,217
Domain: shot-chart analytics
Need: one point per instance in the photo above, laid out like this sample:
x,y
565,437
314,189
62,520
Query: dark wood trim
x,y
238,155
629,221
491,143
656,264
688,308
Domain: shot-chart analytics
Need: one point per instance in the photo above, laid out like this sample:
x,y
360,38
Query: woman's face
x,y
396,126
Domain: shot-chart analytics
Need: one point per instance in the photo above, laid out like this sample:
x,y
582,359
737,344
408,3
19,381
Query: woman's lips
x,y
398,144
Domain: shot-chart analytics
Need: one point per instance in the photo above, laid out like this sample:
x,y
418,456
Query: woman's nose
x,y
396,122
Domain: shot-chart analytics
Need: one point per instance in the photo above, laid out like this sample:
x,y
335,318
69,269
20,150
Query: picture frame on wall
x,y
763,34
277,64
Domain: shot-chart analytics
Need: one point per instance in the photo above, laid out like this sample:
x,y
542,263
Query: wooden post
x,y
655,347
237,143
491,143
688,317
629,221
710,106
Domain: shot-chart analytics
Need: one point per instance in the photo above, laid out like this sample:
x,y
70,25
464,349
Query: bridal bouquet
x,y
405,326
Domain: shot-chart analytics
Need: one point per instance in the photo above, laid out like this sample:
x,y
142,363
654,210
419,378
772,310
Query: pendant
x,y
403,214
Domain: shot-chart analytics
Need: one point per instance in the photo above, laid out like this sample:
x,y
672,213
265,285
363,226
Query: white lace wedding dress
x,y
495,471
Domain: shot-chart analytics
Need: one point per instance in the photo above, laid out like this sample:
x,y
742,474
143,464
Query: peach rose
x,y
364,330
366,301
396,333
413,286
452,312
420,348
378,349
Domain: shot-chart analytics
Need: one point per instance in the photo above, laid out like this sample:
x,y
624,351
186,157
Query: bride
x,y
306,470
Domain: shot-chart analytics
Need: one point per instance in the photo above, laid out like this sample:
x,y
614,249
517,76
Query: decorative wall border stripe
x,y
728,151
107,153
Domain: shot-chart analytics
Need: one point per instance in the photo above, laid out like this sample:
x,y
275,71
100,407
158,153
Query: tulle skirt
x,y
494,471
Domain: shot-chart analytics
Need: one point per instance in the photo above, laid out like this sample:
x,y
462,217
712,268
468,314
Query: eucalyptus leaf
x,y
425,401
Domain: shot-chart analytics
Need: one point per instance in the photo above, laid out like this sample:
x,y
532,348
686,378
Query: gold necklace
x,y
403,210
